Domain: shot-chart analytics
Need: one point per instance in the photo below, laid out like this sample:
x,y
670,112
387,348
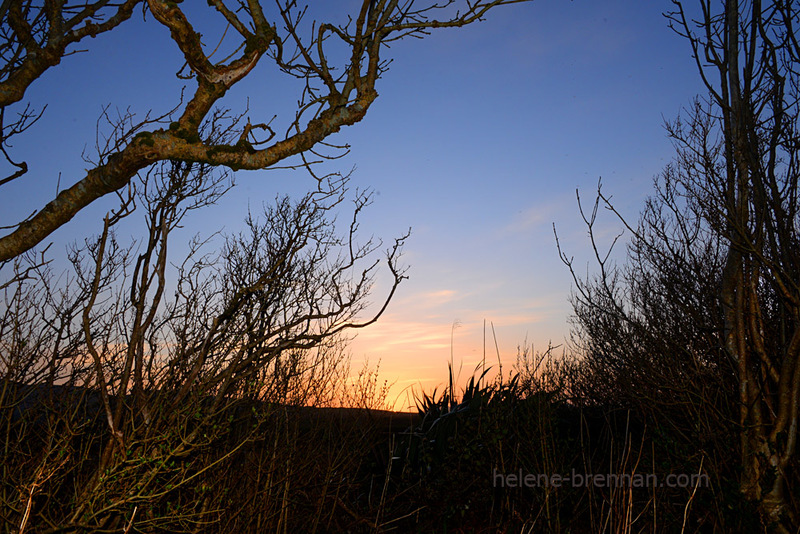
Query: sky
x,y
478,141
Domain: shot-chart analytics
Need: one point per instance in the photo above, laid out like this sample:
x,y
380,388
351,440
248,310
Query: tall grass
x,y
308,465
445,470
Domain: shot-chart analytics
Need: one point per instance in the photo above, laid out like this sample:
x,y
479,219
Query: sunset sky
x,y
478,141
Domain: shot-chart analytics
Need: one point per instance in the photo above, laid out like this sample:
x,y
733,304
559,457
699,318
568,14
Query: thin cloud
x,y
444,294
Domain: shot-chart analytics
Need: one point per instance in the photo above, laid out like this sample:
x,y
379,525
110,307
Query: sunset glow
x,y
478,142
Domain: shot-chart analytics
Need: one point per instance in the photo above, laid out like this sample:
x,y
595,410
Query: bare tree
x,y
710,293
143,380
339,88
748,55
36,38
123,382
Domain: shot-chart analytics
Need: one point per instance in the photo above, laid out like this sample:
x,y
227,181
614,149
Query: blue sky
x,y
478,141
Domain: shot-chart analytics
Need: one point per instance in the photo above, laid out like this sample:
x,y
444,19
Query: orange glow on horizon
x,y
413,356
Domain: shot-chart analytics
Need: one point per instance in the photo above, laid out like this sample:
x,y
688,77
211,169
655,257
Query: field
x,y
512,454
